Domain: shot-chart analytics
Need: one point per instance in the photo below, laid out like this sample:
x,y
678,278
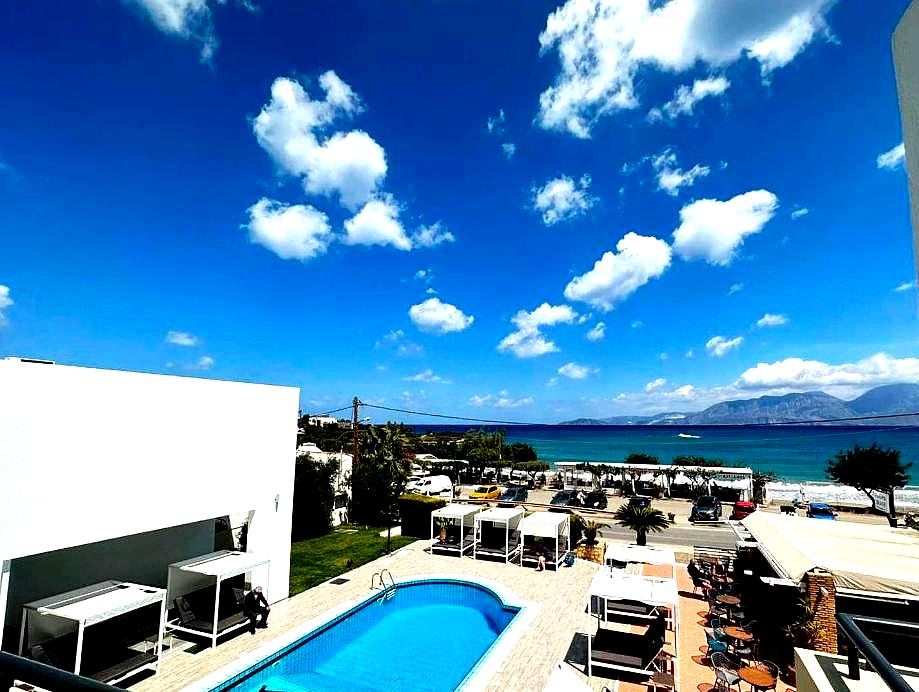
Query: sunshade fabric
x,y
626,587
863,557
543,524
500,515
102,601
638,553
223,563
457,510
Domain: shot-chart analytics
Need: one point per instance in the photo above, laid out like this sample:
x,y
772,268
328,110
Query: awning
x,y
543,524
865,557
98,602
615,587
500,515
616,552
223,563
455,511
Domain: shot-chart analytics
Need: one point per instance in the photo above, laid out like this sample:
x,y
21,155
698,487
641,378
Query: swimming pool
x,y
427,635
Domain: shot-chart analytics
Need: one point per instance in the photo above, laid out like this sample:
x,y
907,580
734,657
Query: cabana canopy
x,y
553,526
91,605
616,552
490,524
861,557
198,575
655,592
461,516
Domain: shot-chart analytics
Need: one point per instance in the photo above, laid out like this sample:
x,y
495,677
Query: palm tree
x,y
641,520
760,479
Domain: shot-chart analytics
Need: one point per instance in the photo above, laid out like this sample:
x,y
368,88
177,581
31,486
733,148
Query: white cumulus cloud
x,y
797,373
735,288
294,129
509,149
597,332
799,213
562,199
438,317
713,230
900,288
771,320
602,46
654,385
502,400
892,158
203,363
295,231
528,341
686,97
182,339
717,346
616,275
6,301
188,19
427,376
432,235
573,371
377,223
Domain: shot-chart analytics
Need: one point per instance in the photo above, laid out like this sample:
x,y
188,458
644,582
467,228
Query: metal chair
x,y
717,628
715,646
725,671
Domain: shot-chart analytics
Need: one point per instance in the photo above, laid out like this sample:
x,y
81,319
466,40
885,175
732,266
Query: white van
x,y
438,486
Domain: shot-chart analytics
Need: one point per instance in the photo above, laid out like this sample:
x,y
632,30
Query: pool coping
x,y
477,678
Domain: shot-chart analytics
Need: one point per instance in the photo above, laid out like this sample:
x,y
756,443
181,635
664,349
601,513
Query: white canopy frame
x,y
213,568
509,519
461,516
617,554
608,588
91,605
555,526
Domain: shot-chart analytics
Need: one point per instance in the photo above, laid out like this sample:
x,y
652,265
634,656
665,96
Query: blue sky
x,y
424,204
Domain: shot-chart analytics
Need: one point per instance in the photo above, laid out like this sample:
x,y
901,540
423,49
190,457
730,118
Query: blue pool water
x,y
427,636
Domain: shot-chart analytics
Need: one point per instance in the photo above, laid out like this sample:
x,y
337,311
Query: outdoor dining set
x,y
731,644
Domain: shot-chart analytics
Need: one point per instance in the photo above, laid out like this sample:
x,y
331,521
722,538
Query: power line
x,y
329,413
442,415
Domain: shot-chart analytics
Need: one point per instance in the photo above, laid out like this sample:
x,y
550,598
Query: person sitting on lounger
x,y
254,605
540,563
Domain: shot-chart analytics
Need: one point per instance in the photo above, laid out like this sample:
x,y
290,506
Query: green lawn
x,y
315,560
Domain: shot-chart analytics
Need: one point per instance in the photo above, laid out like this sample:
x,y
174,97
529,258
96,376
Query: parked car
x,y
640,501
516,493
486,492
742,509
439,486
706,508
565,498
596,499
821,510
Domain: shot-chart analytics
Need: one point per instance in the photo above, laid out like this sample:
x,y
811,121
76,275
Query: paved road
x,y
681,535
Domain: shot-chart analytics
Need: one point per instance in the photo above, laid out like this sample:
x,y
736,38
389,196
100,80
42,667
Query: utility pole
x,y
356,404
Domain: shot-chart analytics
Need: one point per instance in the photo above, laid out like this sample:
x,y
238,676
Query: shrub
x,y
415,511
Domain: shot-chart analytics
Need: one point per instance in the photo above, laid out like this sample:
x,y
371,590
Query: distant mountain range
x,y
816,406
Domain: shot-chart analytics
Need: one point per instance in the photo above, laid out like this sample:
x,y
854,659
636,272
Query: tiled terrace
x,y
556,634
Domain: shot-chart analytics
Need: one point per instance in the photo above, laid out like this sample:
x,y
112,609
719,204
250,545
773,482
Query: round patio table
x,y
729,601
757,678
738,633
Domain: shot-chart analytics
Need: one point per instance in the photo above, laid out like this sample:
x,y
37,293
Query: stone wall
x,y
821,597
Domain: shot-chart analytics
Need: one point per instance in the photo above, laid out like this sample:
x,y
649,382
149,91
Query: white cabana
x,y
552,529
460,528
47,630
618,554
497,533
194,586
616,596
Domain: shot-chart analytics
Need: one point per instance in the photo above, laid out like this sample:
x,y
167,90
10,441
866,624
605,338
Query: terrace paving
x,y
558,633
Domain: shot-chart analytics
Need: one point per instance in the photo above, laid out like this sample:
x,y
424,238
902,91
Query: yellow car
x,y
485,492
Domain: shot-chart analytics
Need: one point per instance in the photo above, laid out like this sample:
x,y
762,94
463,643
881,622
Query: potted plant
x,y
589,548
442,523
802,630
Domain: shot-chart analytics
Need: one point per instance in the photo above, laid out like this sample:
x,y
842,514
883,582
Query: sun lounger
x,y
630,653
196,610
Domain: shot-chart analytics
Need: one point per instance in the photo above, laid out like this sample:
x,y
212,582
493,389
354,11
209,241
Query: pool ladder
x,y
389,590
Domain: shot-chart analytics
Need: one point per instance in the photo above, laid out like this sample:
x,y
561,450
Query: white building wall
x,y
89,455
906,62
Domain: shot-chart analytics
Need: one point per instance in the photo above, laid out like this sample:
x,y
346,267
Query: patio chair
x,y
746,649
715,609
717,628
715,646
725,672
569,560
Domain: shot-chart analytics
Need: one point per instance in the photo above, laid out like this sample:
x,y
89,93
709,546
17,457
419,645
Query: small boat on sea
x,y
687,436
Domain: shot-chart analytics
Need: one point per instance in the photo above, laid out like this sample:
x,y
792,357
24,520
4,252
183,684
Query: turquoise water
x,y
427,636
796,454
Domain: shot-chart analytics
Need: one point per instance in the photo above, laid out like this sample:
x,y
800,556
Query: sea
x,y
798,455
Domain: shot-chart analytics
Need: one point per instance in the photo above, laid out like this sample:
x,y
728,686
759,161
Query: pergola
x,y
618,554
460,536
497,534
47,629
200,574
552,527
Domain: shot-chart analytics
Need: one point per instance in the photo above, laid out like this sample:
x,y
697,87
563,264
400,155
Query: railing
x,y
379,576
859,644
14,668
